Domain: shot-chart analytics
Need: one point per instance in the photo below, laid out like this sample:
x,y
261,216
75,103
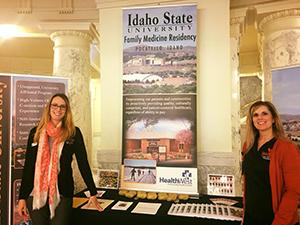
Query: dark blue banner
x,y
5,90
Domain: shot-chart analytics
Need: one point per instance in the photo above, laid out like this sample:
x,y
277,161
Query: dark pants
x,y
42,216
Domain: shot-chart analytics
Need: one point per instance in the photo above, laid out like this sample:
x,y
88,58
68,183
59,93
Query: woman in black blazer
x,y
47,185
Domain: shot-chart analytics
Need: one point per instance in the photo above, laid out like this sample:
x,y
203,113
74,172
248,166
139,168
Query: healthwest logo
x,y
186,179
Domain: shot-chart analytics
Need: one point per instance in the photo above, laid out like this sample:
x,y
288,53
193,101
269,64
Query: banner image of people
x,y
286,97
159,97
140,171
23,102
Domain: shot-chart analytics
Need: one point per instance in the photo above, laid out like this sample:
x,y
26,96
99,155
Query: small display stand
x,y
218,184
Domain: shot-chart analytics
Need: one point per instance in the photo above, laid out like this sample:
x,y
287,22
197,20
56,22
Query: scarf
x,y
47,169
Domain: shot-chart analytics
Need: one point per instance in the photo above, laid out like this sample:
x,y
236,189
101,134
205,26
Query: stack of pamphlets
x,y
210,211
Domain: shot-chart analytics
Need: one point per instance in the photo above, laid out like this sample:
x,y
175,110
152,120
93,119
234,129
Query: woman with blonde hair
x,y
47,185
270,167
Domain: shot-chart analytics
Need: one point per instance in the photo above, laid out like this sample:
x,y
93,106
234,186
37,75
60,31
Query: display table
x,y
117,217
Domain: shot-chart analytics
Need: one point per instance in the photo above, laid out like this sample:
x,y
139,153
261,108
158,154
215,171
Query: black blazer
x,y
74,145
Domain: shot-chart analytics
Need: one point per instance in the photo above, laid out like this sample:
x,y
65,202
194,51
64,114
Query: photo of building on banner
x,y
159,99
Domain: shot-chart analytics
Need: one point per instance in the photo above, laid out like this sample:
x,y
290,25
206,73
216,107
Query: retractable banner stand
x,y
5,87
285,96
159,99
23,99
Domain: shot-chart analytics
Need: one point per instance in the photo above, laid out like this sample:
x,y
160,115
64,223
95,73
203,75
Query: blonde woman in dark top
x,y
271,166
47,185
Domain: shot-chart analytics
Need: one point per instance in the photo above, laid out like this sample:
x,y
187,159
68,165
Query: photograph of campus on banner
x,y
159,85
286,97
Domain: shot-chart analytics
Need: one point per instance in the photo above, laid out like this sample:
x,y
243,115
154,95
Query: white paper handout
x,y
120,205
146,208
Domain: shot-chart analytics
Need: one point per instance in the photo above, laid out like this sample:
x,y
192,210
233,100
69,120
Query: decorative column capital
x,y
281,20
279,41
71,38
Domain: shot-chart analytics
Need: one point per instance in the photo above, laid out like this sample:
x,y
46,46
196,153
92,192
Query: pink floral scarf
x,y
47,169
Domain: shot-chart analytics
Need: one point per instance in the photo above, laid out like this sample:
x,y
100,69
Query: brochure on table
x,y
221,212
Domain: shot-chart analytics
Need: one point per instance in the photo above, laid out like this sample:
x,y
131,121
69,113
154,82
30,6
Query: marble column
x,y
280,44
235,35
71,60
227,163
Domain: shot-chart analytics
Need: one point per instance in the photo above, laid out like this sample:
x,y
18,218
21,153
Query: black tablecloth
x,y
118,217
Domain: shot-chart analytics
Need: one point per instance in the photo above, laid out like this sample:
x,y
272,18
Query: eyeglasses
x,y
61,107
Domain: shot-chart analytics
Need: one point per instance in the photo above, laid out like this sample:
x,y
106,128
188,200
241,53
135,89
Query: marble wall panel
x,y
250,91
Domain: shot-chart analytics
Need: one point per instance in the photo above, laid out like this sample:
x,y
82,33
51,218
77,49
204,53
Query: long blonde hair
x,y
252,132
68,127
